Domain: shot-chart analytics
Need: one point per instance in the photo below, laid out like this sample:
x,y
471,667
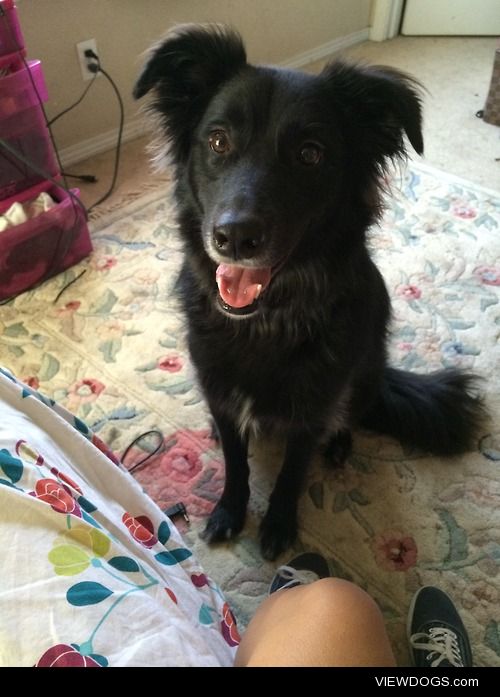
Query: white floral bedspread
x,y
93,573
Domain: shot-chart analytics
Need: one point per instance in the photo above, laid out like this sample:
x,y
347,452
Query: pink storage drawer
x,y
26,132
21,88
22,126
11,36
43,246
10,62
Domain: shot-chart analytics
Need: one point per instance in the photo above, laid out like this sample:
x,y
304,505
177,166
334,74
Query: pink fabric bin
x,y
43,246
22,126
11,36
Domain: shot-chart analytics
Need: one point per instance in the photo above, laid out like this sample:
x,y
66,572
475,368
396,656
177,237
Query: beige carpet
x,y
456,73
111,349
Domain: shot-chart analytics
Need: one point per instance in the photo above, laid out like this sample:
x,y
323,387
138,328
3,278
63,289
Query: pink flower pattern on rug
x,y
395,551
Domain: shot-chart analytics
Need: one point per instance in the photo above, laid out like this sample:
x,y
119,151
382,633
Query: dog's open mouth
x,y
240,287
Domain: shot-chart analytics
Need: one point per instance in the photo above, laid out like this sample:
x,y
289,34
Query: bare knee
x,y
343,600
330,622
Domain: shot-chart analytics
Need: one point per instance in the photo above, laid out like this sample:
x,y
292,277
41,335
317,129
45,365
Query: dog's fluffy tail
x,y
440,412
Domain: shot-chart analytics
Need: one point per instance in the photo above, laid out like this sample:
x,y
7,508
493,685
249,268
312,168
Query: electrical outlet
x,y
84,61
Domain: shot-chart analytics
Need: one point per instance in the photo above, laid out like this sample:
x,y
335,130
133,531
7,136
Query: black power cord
x,y
177,509
75,104
159,446
97,68
88,178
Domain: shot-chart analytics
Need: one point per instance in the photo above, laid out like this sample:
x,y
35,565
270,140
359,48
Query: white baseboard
x,y
325,50
138,126
102,142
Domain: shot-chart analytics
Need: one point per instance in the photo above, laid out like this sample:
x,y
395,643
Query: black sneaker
x,y
306,568
436,634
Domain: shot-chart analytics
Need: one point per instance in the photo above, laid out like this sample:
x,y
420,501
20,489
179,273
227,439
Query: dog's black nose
x,y
239,238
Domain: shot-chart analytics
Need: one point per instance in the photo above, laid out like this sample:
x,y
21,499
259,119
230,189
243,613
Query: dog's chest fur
x,y
269,379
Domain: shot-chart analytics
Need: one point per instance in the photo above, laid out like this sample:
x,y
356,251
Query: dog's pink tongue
x,y
240,286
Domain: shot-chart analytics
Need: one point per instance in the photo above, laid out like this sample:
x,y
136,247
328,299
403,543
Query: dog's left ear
x,y
184,71
382,102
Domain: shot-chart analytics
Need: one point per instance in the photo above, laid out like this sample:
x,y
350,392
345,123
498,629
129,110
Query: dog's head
x,y
279,164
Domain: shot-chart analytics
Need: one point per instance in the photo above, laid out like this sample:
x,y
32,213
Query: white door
x,y
445,17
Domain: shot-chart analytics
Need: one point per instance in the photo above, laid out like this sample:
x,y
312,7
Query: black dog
x,y
278,177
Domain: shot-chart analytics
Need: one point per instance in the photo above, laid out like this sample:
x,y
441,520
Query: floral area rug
x,y
111,350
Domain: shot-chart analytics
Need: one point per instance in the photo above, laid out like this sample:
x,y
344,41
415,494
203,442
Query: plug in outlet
x,y
84,61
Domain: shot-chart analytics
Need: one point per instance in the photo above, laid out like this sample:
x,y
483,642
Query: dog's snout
x,y
239,238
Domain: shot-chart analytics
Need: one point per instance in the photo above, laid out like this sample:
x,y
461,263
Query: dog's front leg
x,y
278,529
228,516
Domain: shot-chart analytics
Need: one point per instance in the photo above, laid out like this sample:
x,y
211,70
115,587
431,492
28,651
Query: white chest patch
x,y
247,423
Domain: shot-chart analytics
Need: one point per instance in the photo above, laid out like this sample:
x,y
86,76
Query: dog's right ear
x,y
184,71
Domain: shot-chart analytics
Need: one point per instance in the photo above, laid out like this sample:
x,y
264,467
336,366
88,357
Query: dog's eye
x,y
310,154
219,142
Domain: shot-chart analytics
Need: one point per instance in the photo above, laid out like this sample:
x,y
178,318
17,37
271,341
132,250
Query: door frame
x,y
386,19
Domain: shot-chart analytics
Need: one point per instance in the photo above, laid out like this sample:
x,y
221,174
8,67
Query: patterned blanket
x,y
93,574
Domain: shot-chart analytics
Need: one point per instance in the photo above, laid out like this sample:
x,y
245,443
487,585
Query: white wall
x,y
274,31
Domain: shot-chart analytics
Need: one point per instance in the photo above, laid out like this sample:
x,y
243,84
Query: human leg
x,y
330,622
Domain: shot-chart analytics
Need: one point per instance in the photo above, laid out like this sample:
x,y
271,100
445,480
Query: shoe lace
x,y
295,577
442,644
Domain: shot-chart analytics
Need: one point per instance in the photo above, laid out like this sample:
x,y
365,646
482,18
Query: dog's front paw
x,y
223,524
276,535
